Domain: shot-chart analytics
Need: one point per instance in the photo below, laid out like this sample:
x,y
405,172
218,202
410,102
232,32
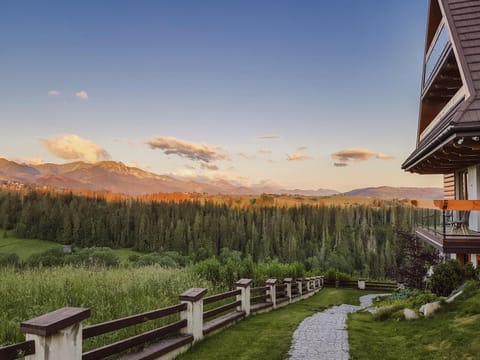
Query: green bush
x,y
9,260
386,312
49,258
447,277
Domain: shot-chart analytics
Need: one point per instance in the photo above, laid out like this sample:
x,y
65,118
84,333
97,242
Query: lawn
x,y
27,247
24,247
453,333
268,336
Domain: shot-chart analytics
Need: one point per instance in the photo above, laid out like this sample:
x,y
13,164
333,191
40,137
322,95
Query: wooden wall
x,y
449,186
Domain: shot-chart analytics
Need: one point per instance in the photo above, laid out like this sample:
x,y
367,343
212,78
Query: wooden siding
x,y
449,186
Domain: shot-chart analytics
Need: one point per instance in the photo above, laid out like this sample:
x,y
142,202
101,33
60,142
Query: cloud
x,y
296,156
384,156
269,137
53,93
73,147
82,94
347,155
340,164
264,151
246,156
189,150
205,166
301,148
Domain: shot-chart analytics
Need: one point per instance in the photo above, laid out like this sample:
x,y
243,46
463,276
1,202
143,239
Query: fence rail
x,y
18,350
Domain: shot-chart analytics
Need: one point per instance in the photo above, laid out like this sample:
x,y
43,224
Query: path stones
x,y
324,336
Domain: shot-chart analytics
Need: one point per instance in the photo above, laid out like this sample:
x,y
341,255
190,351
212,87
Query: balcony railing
x,y
448,229
436,53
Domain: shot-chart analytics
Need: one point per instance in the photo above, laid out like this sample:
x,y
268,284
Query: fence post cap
x,y
193,294
244,282
271,281
287,280
53,322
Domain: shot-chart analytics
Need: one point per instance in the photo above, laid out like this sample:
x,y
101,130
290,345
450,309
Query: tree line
x,y
355,239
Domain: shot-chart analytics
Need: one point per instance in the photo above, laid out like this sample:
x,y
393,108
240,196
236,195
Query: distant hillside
x,y
117,177
398,192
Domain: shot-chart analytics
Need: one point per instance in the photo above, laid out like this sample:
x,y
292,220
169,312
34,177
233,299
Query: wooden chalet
x,y
448,138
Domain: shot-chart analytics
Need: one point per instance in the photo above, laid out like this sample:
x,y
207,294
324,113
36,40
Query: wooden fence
x,y
59,335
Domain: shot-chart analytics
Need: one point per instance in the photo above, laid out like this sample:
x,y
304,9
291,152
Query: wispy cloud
x,y
53,93
269,137
189,150
301,148
340,164
82,94
264,151
73,147
347,155
246,156
206,166
296,156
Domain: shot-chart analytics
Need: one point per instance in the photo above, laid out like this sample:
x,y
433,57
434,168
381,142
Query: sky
x,y
301,94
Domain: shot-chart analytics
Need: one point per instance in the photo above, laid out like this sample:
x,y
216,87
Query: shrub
x,y
386,312
95,256
49,258
9,260
447,277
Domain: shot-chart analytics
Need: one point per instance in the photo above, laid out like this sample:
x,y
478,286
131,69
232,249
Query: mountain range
x,y
119,178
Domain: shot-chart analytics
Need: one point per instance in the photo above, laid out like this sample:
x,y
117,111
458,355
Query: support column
x,y
57,335
194,313
271,283
244,285
299,284
288,282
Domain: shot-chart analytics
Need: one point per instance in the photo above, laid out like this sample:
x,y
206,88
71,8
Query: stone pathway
x,y
324,336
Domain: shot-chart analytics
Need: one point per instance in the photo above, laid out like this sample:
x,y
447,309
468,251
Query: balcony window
x,y
436,53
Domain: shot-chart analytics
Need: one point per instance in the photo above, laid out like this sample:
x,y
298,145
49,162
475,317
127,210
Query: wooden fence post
x,y
57,335
288,281
194,313
361,284
272,291
244,285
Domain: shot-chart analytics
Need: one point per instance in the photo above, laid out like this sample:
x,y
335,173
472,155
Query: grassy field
x,y
453,333
268,336
109,293
24,248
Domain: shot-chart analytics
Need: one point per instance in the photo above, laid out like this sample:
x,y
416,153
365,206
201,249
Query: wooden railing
x,y
17,351
137,340
187,322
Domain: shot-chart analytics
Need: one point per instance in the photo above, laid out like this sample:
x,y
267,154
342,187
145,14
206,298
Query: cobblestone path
x,y
324,336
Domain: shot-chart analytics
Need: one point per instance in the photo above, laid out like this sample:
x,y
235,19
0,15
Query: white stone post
x,y
322,280
288,282
57,335
361,284
194,313
272,291
244,285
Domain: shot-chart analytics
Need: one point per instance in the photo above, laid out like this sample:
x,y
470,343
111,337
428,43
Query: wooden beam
x,y
459,205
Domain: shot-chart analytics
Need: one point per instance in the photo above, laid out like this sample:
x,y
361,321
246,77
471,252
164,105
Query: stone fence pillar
x,y
288,282
57,335
361,284
244,285
194,313
272,291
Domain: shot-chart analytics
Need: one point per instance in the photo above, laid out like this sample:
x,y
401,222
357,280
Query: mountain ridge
x,y
118,177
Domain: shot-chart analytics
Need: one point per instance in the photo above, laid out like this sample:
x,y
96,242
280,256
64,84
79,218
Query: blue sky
x,y
192,88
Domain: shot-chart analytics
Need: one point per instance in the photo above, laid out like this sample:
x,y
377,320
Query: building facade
x,y
448,138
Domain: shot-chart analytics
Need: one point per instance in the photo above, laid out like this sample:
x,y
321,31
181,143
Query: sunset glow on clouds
x,y
343,157
73,147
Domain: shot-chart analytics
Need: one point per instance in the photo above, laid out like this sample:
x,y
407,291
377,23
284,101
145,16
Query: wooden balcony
x,y
444,224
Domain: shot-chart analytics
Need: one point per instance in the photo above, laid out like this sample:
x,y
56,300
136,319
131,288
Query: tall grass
x,y
109,293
